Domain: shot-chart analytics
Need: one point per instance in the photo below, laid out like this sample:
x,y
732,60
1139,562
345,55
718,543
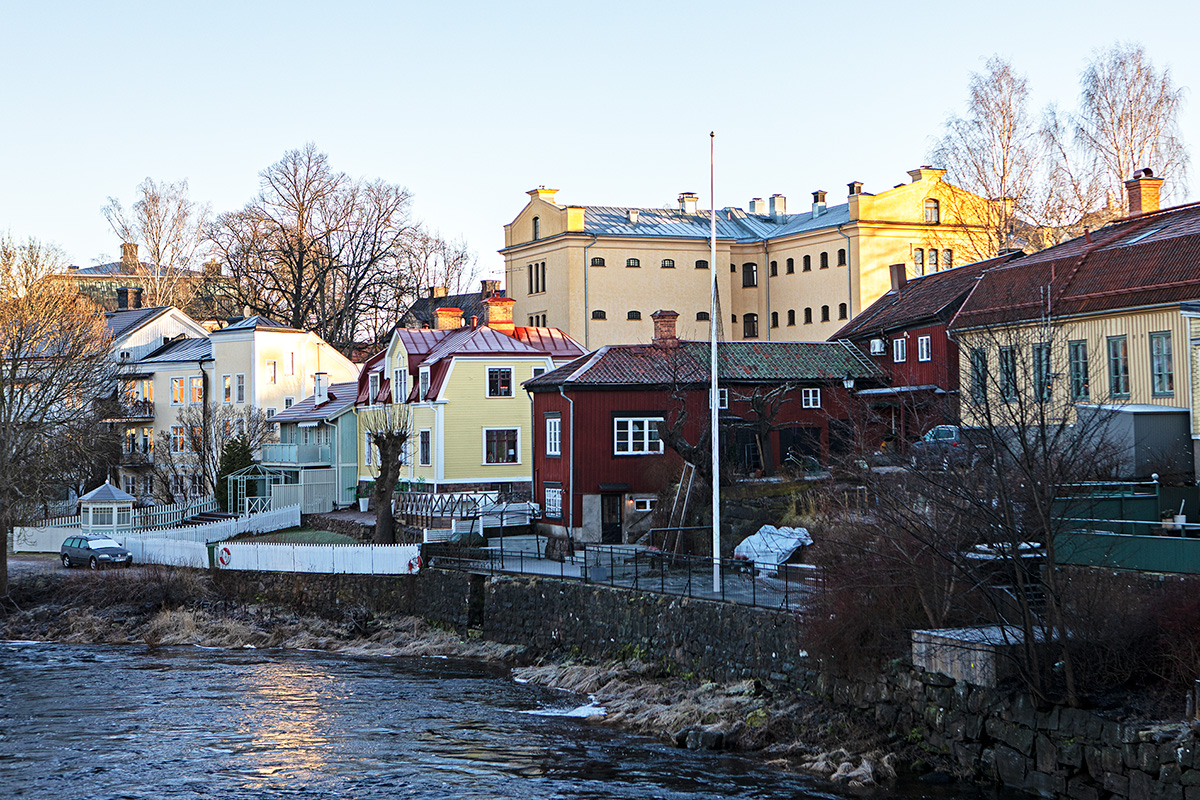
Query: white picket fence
x,y
147,517
177,552
350,559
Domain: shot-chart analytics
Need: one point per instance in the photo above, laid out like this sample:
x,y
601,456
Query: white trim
x,y
184,390
483,439
925,348
512,382
439,441
810,397
556,438
631,451
421,462
899,350
226,389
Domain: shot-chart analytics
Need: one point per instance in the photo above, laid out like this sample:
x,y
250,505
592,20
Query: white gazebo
x,y
106,511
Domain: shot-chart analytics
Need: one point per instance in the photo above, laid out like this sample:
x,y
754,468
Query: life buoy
x,y
224,557
414,564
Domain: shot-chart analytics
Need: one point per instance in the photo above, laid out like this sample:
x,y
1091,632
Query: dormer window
x,y
537,228
423,386
373,391
932,212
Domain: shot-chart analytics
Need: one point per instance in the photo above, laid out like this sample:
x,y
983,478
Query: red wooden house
x,y
599,462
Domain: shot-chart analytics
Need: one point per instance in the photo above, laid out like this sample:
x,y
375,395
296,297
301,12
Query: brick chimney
x,y
129,257
129,297
498,314
664,328
488,288
437,291
447,319
899,278
1142,190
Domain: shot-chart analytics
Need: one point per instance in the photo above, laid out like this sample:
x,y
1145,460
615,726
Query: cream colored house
x,y
597,272
469,417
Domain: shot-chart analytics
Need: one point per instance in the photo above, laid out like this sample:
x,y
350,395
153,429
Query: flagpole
x,y
713,394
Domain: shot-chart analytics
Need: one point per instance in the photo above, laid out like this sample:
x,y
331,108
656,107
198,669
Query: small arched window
x,y
824,313
808,316
791,316
634,315
808,263
824,260
702,264
632,262
841,310
774,268
701,316
597,261
842,257
598,314
933,259
750,326
919,259
749,274
537,229
791,266
668,263
774,319
933,214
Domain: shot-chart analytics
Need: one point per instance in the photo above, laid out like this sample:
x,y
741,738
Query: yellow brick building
x,y
598,272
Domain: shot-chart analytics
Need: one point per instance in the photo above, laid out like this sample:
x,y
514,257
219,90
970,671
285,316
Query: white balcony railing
x,y
297,454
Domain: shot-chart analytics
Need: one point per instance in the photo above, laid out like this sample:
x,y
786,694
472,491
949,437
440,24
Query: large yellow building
x,y
597,272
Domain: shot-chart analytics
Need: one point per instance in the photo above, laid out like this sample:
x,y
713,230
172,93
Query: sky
x,y
470,105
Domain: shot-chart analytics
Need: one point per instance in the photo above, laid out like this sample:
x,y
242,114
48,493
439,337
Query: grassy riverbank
x,y
164,606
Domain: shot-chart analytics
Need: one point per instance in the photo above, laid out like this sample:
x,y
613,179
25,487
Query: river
x,y
129,722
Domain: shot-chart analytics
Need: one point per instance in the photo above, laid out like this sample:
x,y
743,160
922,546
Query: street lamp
x,y
848,382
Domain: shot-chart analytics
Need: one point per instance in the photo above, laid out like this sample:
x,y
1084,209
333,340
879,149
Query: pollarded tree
x,y
389,428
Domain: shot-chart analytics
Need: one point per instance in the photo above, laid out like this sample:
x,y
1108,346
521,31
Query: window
x,y
368,450
500,382
774,319
148,485
842,257
554,500
750,326
932,212
537,278
774,268
733,269
553,436
978,374
734,319
1008,374
808,316
240,385
291,364
1162,373
701,264
824,260
899,350
824,313
1077,360
808,263
426,448
924,348
537,228
177,391
500,446
933,259
424,385
598,314
810,398
226,390
178,439
634,315
373,387
919,259
632,262
288,402
668,263
701,316
196,391
1042,376
644,503
791,316
947,259
539,371
842,312
1118,366
597,261
791,266
749,274
399,385
271,371
130,484
722,398
636,436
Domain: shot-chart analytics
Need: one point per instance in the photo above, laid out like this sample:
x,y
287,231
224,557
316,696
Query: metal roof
x,y
107,493
125,320
180,350
256,322
732,223
341,398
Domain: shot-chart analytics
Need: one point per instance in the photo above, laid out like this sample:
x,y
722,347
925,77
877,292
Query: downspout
x,y
205,424
849,276
587,314
767,264
571,474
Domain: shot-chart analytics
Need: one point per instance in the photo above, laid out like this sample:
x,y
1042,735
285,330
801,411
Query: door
x,y
610,518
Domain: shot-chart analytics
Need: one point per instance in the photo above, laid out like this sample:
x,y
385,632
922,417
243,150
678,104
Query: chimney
x,y
437,291
498,313
129,256
488,288
321,388
687,202
633,216
854,187
818,203
899,278
135,297
1142,190
447,319
779,206
664,328
758,207
123,299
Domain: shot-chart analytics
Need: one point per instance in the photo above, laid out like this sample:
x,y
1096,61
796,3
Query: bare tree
x,y
194,445
389,428
22,264
171,226
316,248
55,363
764,405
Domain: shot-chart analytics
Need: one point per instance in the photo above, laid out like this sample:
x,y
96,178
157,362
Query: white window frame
x,y
180,397
722,399
512,389
645,449
195,382
924,348
424,385
399,385
810,397
554,436
554,500
288,402
484,436
226,388
644,503
425,447
899,350
373,382
178,439
240,387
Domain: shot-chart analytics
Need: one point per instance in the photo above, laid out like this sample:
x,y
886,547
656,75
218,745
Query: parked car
x,y
95,551
948,446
